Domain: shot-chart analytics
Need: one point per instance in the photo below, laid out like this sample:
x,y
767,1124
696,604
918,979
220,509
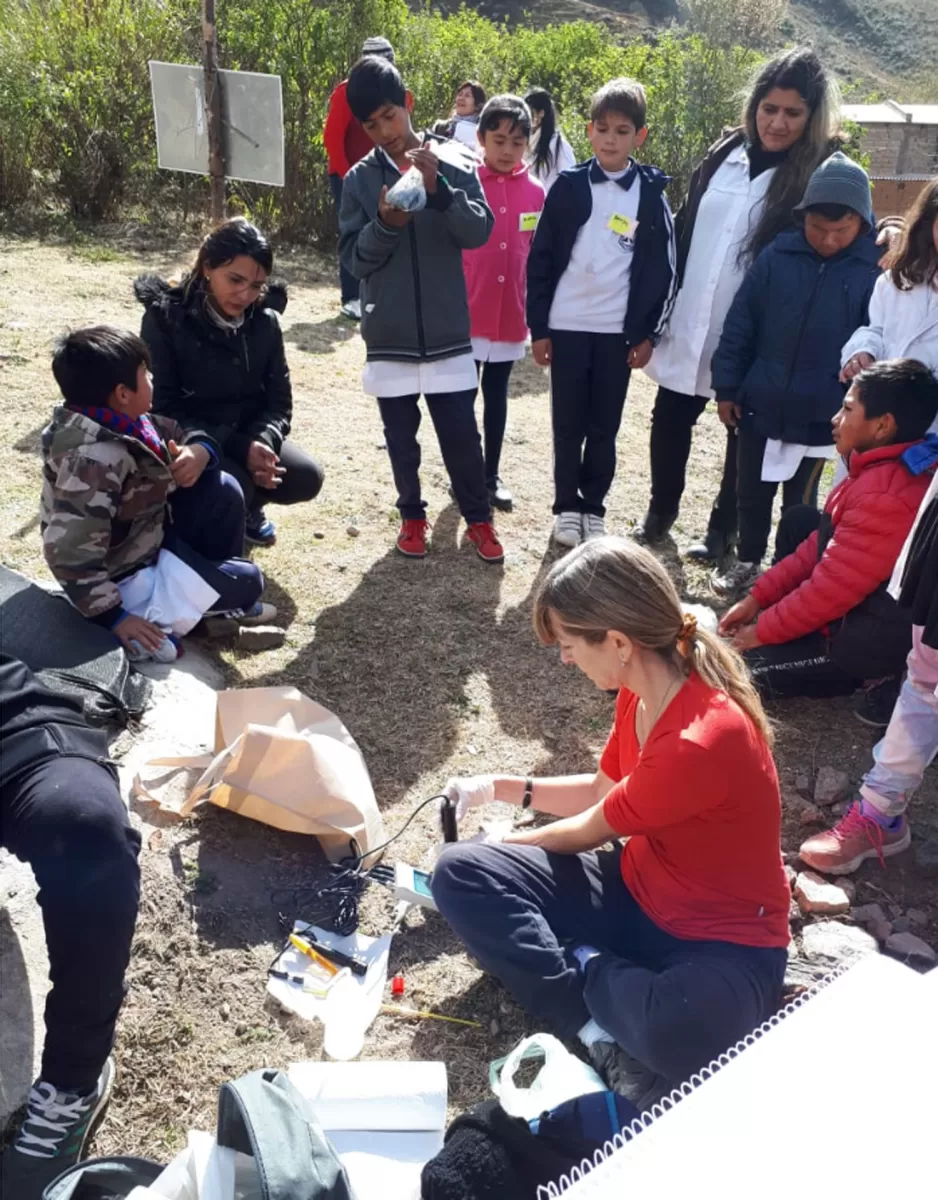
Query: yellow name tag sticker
x,y
621,225
527,222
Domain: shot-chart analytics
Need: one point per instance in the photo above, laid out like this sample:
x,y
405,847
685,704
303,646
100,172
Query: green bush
x,y
75,110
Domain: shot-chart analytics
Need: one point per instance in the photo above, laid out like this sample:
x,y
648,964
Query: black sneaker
x,y
500,496
714,548
874,704
258,530
622,1073
656,527
52,1137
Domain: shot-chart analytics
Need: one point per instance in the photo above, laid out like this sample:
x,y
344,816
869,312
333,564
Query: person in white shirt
x,y
601,278
463,124
740,197
549,152
904,307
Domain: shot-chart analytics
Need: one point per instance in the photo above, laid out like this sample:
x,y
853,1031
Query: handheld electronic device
x,y
413,886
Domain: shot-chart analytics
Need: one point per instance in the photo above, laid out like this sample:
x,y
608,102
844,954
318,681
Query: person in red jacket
x,y
821,621
346,142
496,273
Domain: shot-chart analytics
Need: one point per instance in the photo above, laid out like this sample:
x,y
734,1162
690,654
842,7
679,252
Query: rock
x,y
353,530
802,974
318,535
494,1027
838,809
873,919
911,949
895,910
791,875
220,627
803,785
926,856
795,916
817,895
831,785
260,637
901,925
830,943
848,886
812,815
155,840
917,917
225,1011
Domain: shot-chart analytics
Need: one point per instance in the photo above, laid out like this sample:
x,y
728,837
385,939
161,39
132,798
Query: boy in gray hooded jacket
x,y
415,315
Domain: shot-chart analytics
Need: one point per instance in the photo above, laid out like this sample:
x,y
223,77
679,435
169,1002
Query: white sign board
x,y
251,114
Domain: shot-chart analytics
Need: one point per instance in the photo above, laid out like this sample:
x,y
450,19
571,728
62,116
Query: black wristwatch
x,y
528,792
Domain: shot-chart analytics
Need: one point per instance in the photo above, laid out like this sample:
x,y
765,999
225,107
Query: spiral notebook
x,y
837,1095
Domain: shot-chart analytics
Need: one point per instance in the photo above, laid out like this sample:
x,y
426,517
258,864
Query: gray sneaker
x,y
622,1073
593,527
52,1137
568,529
735,580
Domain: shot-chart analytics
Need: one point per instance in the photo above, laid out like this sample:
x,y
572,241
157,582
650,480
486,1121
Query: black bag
x,y
69,653
103,1179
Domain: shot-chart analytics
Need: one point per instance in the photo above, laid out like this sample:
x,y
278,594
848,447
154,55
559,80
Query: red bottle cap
x,y
397,985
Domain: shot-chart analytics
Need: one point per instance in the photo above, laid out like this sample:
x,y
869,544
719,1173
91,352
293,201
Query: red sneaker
x,y
486,542
855,838
412,539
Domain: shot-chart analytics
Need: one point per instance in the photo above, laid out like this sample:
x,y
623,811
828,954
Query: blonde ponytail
x,y
613,584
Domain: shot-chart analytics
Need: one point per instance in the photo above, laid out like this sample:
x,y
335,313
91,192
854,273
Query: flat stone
x,y
901,924
830,943
917,917
812,815
803,785
848,886
926,856
800,973
817,895
220,627
911,949
863,914
353,531
831,785
260,637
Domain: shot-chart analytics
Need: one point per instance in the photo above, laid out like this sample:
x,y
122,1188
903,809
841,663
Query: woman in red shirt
x,y
663,953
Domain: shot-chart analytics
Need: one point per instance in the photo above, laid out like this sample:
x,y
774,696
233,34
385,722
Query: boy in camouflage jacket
x,y
110,472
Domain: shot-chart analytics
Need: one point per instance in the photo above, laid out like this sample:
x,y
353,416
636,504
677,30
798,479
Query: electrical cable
x,y
334,905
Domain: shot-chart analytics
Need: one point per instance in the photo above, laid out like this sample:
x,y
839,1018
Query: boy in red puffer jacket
x,y
821,621
496,273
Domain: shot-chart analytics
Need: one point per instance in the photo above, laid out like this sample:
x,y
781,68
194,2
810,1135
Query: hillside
x,y
885,45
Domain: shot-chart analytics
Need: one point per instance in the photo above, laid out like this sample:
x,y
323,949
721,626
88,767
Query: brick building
x,y
902,143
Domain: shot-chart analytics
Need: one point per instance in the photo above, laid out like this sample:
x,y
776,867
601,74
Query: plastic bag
x,y
563,1077
409,194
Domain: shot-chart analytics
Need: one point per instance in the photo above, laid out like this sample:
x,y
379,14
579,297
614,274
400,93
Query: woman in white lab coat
x,y
741,195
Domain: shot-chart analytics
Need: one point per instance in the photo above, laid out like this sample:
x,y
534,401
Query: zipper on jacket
x,y
421,338
804,326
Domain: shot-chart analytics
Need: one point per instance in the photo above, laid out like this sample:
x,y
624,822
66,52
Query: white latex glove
x,y
470,791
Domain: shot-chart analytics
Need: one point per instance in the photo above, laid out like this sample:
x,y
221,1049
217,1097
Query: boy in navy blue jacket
x,y
601,284
776,370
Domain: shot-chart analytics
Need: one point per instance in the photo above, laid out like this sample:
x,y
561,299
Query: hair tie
x,y
688,629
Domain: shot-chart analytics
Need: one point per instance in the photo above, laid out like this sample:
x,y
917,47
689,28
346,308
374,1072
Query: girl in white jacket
x,y
904,305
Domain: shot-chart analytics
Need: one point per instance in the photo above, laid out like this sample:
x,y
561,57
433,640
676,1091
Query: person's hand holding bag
x,y
470,791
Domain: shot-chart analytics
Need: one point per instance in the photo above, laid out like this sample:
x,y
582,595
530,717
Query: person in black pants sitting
x,y
219,365
61,811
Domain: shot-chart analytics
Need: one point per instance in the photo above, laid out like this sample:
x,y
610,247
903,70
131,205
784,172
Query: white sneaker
x,y
352,309
593,527
736,579
568,529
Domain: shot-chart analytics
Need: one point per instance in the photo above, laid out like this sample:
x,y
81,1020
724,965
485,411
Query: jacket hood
x,y
68,430
155,292
863,248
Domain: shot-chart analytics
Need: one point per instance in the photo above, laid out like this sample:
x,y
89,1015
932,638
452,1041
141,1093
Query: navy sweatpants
x,y
589,377
205,528
673,1004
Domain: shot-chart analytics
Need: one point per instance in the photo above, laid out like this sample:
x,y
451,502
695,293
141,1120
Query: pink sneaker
x,y
855,838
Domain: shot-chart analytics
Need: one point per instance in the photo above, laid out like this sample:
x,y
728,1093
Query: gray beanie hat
x,y
380,46
839,180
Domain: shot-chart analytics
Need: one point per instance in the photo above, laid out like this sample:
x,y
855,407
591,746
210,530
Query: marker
x,y
305,948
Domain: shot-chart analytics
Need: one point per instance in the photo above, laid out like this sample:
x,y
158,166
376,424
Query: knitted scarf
x,y
142,428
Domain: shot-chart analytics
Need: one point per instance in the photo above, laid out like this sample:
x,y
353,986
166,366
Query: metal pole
x,y
216,161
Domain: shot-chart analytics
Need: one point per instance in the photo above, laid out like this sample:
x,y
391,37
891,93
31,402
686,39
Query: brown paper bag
x,y
282,759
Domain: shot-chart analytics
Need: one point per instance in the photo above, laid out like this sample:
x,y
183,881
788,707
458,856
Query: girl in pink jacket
x,y
495,273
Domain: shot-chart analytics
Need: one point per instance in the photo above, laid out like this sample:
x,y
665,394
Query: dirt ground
x,y
432,665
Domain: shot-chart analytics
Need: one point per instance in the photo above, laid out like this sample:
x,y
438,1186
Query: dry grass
x,y
432,665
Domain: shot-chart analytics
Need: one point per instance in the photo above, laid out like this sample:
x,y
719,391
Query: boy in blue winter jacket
x,y
777,366
601,284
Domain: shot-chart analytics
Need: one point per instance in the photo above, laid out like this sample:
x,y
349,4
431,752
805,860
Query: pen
x,y
305,948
